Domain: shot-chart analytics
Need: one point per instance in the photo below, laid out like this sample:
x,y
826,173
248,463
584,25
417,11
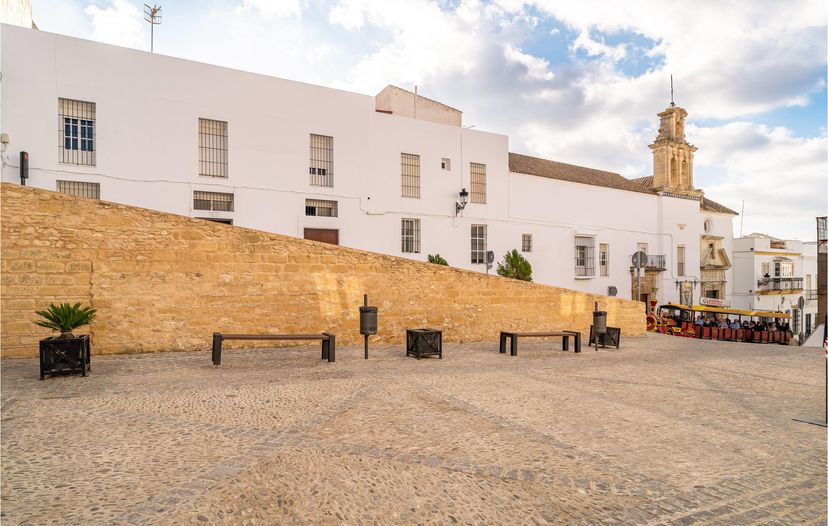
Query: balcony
x,y
811,294
655,263
778,285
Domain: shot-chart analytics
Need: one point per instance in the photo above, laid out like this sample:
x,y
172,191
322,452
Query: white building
x,y
777,275
377,173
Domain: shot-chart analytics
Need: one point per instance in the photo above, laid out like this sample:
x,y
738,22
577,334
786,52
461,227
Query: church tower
x,y
673,155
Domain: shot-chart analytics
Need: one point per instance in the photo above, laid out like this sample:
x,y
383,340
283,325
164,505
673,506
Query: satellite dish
x,y
639,259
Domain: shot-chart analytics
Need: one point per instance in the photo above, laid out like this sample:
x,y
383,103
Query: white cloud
x,y
273,8
120,23
593,48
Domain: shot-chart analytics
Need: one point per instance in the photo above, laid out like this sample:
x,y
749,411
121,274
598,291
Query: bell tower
x,y
673,155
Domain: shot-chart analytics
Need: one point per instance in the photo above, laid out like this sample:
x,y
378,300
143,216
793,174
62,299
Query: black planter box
x,y
64,355
423,342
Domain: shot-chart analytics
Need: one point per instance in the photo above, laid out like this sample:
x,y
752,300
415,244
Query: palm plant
x,y
515,266
65,318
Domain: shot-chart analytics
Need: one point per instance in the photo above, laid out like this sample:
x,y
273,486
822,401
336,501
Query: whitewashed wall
x,y
147,111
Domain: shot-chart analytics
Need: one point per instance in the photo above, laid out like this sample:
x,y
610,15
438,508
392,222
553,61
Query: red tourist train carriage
x,y
683,320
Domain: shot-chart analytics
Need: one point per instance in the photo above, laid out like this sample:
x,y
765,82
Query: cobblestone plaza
x,y
665,431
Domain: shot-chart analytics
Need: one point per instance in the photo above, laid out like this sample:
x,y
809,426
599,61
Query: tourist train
x,y
708,322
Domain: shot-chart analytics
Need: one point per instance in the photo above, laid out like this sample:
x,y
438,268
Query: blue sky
x,y
578,82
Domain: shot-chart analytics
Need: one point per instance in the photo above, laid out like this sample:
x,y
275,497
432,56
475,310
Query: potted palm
x,y
65,353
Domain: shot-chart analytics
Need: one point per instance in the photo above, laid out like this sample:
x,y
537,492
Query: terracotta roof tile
x,y
712,206
525,164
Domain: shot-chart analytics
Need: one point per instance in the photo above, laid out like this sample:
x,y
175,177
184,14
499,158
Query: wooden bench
x,y
328,342
513,336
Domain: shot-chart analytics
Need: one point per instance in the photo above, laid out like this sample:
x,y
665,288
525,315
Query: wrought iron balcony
x,y
811,294
656,262
778,284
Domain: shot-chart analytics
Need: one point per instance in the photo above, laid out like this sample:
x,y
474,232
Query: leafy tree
x,y
437,259
515,266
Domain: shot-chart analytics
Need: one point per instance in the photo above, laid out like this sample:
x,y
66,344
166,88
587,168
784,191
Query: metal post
x,y
365,303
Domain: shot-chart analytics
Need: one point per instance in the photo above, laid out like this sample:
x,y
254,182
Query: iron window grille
x,y
445,164
410,170
526,243
318,207
477,173
478,243
680,260
603,258
410,235
80,189
214,201
76,132
212,148
584,256
321,161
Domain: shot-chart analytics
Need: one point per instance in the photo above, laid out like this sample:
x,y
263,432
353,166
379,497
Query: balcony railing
x,y
810,294
771,284
656,262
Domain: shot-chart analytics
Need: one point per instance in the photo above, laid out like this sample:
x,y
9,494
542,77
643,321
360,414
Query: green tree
x,y
437,259
515,266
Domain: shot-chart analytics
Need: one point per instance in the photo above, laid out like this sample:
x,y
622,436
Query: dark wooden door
x,y
322,234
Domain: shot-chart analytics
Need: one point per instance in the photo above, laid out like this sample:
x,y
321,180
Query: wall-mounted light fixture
x,y
464,198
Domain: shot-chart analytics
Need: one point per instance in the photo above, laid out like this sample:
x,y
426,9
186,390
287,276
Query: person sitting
x,y
746,324
698,321
724,324
735,324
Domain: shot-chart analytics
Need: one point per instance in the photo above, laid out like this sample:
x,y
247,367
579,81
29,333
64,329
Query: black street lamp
x,y
464,198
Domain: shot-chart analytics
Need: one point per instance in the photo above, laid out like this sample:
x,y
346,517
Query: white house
x,y
778,275
380,173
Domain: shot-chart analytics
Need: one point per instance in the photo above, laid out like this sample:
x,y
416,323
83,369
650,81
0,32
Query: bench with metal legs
x,y
328,342
513,337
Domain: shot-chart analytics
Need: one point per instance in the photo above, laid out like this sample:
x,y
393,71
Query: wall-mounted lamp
x,y
464,198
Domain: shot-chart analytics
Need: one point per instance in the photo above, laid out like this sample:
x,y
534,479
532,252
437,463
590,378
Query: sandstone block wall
x,y
163,282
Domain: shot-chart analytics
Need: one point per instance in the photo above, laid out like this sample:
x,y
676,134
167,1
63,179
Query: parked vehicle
x,y
704,321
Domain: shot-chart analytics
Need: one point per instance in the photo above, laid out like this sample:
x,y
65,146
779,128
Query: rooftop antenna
x,y
672,102
153,16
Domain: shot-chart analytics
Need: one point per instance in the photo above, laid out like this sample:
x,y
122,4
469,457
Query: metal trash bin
x,y
367,320
599,321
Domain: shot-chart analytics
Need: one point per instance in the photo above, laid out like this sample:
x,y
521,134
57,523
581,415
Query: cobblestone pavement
x,y
664,431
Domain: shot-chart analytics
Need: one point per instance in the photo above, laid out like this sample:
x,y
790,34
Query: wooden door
x,y
324,235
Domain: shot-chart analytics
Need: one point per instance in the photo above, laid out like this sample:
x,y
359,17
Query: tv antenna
x,y
153,16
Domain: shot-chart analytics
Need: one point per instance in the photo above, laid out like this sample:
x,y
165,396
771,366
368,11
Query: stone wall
x,y
163,282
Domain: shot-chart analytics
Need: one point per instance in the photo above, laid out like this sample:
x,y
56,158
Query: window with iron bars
x,y
80,189
410,170
584,256
321,162
478,243
603,258
526,243
215,201
477,174
76,132
212,148
318,207
410,235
